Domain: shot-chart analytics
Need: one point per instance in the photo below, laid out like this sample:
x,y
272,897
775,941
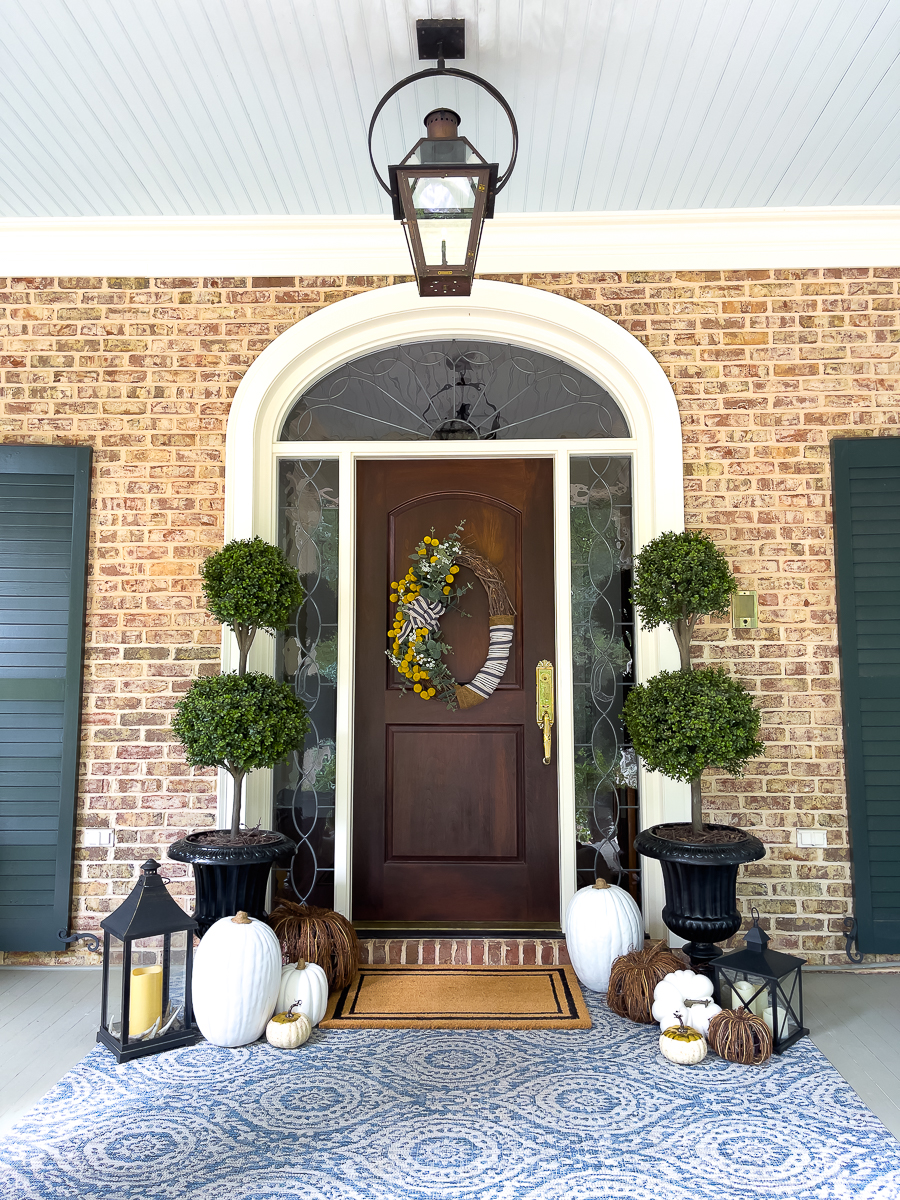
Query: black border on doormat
x,y
571,1012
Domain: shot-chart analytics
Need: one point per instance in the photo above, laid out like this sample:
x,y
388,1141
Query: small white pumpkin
x,y
683,1045
602,923
683,997
237,970
305,985
288,1030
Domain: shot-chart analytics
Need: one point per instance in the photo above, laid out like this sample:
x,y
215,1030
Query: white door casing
x,y
495,312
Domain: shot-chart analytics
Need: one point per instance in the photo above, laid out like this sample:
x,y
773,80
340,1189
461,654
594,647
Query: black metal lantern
x,y
443,191
148,949
765,983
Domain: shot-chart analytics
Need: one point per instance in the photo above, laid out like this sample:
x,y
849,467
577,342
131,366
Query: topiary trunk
x,y
238,777
696,806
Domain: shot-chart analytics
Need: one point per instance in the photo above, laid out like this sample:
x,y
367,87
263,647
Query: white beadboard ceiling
x,y
198,108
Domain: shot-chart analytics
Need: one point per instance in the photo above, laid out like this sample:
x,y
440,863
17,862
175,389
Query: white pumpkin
x,y
684,997
602,923
683,1045
288,1030
305,985
237,970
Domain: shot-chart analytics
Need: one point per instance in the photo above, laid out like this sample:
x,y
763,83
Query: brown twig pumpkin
x,y
633,977
740,1037
317,935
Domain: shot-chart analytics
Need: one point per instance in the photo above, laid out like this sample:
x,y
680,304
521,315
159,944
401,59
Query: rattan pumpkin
x,y
740,1037
317,935
633,978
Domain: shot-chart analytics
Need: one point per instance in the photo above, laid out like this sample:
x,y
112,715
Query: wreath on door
x,y
428,589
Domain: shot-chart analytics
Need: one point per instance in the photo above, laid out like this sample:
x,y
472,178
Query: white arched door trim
x,y
498,312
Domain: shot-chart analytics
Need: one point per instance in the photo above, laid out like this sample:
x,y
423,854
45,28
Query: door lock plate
x,y
544,693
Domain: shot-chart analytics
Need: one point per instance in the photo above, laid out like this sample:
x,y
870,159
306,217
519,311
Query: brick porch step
x,y
476,952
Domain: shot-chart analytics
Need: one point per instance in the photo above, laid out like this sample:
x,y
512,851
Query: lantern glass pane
x,y
173,994
444,150
786,998
444,196
739,988
115,968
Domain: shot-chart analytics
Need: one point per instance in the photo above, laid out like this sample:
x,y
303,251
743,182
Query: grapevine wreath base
x,y
422,597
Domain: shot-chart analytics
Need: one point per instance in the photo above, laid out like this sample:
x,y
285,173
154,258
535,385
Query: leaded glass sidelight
x,y
454,391
606,799
304,782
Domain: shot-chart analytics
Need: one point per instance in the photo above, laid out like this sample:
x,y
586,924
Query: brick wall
x,y
766,366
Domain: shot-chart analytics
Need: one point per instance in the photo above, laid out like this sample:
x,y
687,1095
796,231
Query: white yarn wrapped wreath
x,y
422,597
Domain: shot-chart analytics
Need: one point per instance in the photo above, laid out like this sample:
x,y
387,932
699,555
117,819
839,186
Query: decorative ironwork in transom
x,y
454,391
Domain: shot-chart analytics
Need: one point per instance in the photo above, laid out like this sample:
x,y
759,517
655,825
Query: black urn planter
x,y
701,889
230,879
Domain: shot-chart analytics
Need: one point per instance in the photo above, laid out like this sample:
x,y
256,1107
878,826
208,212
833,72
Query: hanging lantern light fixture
x,y
444,190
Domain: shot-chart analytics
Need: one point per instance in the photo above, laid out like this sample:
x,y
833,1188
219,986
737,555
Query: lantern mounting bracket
x,y
91,941
851,933
441,71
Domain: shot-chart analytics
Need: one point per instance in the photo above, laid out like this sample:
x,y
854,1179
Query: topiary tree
x,y
239,722
682,722
250,585
680,577
244,721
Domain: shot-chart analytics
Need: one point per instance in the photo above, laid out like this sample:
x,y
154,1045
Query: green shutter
x,y
866,477
44,500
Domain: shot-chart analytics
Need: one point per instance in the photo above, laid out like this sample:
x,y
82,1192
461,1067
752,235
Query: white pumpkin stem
x,y
241,918
301,964
599,884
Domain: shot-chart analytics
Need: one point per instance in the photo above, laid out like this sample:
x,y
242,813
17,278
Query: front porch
x,y
387,1114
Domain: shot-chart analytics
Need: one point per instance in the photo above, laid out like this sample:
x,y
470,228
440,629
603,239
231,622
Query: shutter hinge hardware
x,y
91,941
851,932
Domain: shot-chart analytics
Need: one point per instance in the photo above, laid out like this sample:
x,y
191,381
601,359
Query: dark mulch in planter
x,y
246,837
686,834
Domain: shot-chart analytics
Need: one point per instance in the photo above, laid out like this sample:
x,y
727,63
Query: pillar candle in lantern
x,y
146,999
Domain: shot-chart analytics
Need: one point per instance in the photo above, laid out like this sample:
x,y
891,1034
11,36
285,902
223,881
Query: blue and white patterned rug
x,y
447,1115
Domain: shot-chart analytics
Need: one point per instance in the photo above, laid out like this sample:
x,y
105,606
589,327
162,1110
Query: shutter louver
x,y
44,500
866,477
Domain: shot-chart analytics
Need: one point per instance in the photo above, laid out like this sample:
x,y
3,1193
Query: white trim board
x,y
695,239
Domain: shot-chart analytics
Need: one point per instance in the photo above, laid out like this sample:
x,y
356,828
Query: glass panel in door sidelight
x,y
606,799
307,659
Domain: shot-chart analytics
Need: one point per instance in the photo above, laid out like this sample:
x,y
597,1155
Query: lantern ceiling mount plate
x,y
444,190
441,38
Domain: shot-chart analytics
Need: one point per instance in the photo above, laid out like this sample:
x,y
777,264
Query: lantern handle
x,y
430,73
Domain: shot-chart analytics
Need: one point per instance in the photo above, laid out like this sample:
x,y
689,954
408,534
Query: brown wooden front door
x,y
454,813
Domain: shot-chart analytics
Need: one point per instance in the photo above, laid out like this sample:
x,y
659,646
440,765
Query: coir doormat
x,y
433,997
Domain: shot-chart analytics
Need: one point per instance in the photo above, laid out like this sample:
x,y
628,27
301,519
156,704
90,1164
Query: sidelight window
x,y
307,654
606,802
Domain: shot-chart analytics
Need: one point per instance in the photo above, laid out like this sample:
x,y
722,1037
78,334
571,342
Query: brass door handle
x,y
544,694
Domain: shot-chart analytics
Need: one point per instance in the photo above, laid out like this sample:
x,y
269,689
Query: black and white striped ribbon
x,y
421,614
485,682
